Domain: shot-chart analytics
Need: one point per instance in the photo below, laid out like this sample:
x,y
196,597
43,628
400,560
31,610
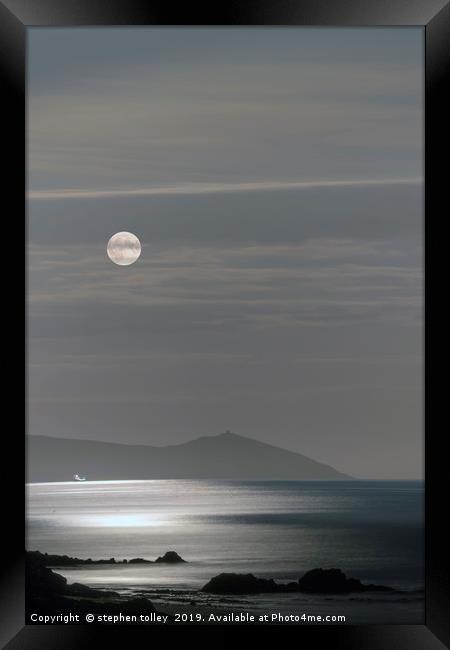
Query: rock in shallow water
x,y
333,581
239,583
315,581
170,557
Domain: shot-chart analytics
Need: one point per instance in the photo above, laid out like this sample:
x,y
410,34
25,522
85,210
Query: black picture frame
x,y
434,16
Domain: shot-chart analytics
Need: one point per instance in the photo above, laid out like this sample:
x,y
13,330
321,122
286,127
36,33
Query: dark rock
x,y
83,591
239,583
52,560
139,560
47,592
333,581
40,579
170,557
315,581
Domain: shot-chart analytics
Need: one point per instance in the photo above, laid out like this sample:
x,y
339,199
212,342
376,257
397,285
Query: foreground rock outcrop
x,y
47,593
326,581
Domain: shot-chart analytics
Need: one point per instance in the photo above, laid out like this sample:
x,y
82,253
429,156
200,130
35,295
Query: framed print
x,y
228,222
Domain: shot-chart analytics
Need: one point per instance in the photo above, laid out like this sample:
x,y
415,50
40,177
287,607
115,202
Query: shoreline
x,y
48,592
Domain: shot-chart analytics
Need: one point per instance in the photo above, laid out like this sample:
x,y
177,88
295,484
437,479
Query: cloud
x,y
217,188
315,283
163,118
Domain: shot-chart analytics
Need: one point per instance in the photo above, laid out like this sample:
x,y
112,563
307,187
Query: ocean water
x,y
372,530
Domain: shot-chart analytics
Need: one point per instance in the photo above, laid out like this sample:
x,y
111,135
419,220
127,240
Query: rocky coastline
x,y
47,592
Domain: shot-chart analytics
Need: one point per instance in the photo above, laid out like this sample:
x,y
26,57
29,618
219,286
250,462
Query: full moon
x,y
123,248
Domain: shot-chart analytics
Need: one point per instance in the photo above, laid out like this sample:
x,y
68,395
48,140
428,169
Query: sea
x,y
372,530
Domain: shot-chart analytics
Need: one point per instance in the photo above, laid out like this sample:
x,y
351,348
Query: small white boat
x,y
77,477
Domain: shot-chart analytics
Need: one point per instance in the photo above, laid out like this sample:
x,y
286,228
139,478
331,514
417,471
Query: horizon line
x,y
216,188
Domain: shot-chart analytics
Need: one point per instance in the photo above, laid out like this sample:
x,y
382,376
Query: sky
x,y
274,179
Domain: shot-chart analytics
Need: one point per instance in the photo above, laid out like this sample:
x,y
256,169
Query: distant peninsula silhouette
x,y
224,456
